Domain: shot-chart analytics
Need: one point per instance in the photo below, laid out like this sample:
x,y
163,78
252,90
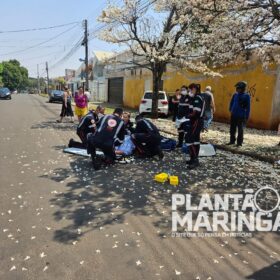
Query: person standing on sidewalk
x,y
81,102
209,107
240,112
175,102
192,137
184,108
66,109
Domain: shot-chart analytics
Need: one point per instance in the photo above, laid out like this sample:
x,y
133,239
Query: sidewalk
x,y
260,144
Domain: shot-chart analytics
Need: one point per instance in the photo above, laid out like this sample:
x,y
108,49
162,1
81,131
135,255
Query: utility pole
x,y
47,69
85,44
38,79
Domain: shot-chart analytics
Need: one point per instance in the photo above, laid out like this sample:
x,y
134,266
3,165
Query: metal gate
x,y
115,90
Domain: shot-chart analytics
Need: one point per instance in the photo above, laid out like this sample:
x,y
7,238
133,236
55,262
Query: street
x,y
60,219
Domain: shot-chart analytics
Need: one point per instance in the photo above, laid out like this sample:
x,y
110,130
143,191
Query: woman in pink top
x,y
81,102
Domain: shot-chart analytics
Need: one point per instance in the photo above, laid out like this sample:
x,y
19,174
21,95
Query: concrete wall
x,y
263,86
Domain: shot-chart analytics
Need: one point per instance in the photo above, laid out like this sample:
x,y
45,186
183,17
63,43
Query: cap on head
x,y
241,85
208,88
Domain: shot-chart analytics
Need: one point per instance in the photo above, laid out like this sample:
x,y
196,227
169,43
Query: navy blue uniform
x,y
110,132
196,124
184,109
147,138
87,125
129,129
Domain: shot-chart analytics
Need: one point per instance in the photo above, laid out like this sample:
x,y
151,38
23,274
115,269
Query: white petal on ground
x,y
138,262
177,272
42,255
13,268
45,268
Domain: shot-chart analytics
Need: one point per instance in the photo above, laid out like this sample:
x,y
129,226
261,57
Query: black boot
x,y
180,140
70,144
160,154
194,164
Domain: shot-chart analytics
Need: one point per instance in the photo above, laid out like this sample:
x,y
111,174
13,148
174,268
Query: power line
x,y
143,6
37,45
39,28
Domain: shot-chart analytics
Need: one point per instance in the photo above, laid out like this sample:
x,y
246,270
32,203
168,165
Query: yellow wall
x,y
261,85
133,92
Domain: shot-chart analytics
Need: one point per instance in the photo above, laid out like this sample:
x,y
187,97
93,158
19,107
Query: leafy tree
x,y
1,71
13,75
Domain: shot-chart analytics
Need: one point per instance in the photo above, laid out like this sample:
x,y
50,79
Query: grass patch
x,y
44,95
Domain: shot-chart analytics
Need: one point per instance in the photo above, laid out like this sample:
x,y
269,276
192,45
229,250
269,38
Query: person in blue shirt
x,y
240,112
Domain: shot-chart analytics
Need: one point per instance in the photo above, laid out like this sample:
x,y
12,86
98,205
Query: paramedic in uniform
x,y
196,125
110,132
147,137
184,108
86,125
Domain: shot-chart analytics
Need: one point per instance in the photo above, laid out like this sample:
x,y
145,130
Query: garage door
x,y
115,90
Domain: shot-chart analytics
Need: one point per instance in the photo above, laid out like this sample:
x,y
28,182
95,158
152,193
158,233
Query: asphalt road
x,y
59,219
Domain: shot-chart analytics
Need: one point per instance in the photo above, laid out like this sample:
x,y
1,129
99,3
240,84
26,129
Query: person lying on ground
x,y
86,125
126,148
147,138
110,132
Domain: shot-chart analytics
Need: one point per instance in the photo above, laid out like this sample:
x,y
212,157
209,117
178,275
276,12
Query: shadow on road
x,y
52,124
271,272
97,199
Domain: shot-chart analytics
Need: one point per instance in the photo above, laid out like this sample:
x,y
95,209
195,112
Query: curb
x,y
267,159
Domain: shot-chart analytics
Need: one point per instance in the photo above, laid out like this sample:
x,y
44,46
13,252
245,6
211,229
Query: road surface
x,y
59,219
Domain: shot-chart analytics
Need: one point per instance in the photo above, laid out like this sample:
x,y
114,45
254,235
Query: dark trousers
x,y
182,132
76,144
175,112
106,147
237,123
149,143
192,138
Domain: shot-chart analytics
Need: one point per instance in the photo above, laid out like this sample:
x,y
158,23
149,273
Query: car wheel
x,y
50,101
10,97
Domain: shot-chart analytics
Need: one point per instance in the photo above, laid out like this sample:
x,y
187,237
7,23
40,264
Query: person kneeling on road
x,y
147,138
86,125
110,132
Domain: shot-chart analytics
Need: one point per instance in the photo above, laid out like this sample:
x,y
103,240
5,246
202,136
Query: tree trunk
x,y
157,75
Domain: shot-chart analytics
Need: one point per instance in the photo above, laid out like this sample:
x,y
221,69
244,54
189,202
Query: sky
x,y
54,43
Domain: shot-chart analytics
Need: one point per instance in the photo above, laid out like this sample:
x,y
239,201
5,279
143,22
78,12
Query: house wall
x,y
265,95
275,114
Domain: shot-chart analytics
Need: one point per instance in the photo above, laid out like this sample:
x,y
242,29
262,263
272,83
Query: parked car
x,y
56,95
146,103
5,93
